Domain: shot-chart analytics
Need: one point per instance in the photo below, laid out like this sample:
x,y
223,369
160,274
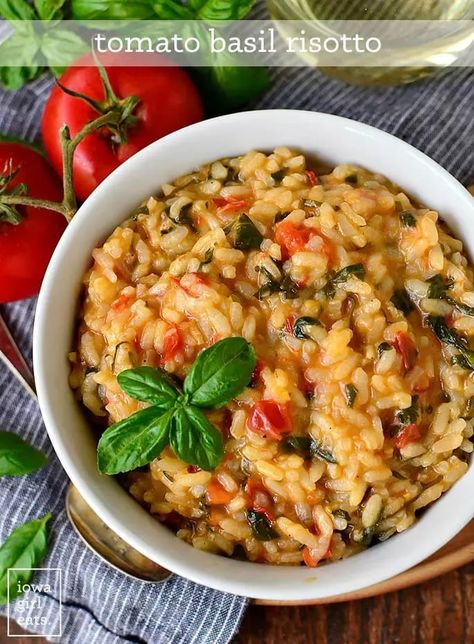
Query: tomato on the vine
x,y
168,101
26,247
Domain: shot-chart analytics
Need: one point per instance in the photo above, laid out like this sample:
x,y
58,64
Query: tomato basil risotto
x,y
352,308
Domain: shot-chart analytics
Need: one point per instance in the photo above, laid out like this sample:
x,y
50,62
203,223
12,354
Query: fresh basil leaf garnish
x,y
154,386
134,441
220,373
194,439
441,330
18,457
23,550
261,526
409,416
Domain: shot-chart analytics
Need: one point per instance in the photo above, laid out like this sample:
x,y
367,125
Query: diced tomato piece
x,y
405,346
290,321
259,499
217,495
230,204
409,434
192,469
312,177
291,238
259,367
308,558
172,344
121,303
271,419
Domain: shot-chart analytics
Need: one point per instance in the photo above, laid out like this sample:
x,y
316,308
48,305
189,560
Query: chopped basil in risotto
x,y
360,307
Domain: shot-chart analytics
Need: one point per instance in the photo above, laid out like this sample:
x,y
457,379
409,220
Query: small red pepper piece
x,y
312,177
409,434
271,419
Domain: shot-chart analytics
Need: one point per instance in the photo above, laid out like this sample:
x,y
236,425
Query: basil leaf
x,y
49,9
383,346
64,47
16,10
409,416
261,526
299,444
172,10
355,270
18,54
134,441
25,548
407,219
150,385
465,309
318,452
438,287
195,440
299,327
220,373
244,234
222,9
351,392
17,456
112,10
401,300
441,330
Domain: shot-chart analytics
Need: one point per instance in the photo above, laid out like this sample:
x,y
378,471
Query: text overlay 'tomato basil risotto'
x,y
359,305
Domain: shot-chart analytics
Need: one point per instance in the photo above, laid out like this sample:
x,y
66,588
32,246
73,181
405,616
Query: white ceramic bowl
x,y
333,139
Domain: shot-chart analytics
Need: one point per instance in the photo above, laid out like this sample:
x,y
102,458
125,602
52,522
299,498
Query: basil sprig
x,y
174,417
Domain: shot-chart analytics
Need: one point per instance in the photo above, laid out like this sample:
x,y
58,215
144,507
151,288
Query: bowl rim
x,y
207,572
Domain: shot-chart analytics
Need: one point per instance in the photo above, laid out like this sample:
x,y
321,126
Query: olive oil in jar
x,y
409,60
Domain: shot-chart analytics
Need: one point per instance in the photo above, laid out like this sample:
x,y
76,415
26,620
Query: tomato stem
x,y
118,117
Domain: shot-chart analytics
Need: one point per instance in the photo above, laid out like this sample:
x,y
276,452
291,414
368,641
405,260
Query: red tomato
x,y
271,419
172,343
26,248
168,102
230,204
291,238
405,346
409,434
312,177
217,495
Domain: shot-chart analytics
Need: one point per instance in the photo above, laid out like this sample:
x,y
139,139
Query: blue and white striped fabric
x,y
100,605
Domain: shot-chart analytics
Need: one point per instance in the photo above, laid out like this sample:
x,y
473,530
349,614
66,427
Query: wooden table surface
x,y
440,611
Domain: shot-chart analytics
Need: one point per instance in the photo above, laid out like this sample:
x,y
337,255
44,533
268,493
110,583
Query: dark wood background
x,y
438,612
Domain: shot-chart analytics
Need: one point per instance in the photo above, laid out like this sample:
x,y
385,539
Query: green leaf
x,y
220,373
17,456
112,10
17,10
49,9
299,444
172,10
353,270
150,385
401,300
318,452
195,440
465,309
222,9
134,441
227,87
441,330
18,57
300,326
409,416
438,287
351,392
261,526
244,235
25,548
407,219
60,48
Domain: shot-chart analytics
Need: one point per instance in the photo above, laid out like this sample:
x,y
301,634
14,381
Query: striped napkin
x,y
98,604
